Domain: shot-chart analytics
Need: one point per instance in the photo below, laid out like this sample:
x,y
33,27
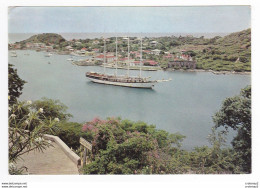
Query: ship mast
x,y
140,73
128,59
116,56
104,55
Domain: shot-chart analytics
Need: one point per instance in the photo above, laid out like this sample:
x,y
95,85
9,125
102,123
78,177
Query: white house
x,y
155,52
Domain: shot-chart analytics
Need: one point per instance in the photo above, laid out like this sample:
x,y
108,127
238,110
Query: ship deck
x,y
122,79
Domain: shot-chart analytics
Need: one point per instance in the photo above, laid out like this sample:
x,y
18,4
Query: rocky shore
x,y
84,63
214,72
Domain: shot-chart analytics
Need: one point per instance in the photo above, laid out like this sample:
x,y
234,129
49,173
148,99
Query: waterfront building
x,y
182,64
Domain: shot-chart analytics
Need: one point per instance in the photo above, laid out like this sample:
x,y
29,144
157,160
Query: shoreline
x,y
78,63
211,71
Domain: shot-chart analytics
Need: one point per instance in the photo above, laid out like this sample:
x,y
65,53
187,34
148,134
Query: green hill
x,y
229,53
47,38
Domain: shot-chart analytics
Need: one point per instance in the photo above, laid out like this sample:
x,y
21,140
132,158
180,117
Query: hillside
x,y
46,38
230,53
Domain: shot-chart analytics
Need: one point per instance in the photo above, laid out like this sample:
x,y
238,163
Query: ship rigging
x,y
122,80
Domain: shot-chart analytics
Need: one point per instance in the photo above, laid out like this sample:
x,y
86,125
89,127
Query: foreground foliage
x,y
22,138
235,113
15,84
125,147
52,109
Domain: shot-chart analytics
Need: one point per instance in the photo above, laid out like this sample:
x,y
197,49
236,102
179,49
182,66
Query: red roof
x,y
168,56
102,56
151,62
123,59
110,56
83,48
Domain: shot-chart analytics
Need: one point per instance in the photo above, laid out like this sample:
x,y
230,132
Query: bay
x,y
185,105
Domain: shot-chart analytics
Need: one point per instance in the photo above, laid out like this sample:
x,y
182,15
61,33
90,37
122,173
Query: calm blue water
x,y
185,105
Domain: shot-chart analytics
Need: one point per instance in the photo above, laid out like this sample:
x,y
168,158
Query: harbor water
x,y
184,105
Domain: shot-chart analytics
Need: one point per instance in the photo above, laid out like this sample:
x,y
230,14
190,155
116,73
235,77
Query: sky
x,y
190,19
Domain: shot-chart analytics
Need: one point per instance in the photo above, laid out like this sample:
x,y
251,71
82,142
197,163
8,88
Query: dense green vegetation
x,y
235,113
127,147
52,109
46,38
230,53
15,84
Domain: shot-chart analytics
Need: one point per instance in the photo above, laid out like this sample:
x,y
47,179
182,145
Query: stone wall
x,y
67,151
182,64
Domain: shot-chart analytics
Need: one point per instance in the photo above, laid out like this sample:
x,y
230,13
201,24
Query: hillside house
x,y
156,52
109,59
182,64
134,63
186,57
96,50
83,50
68,47
169,56
147,51
95,42
154,43
150,63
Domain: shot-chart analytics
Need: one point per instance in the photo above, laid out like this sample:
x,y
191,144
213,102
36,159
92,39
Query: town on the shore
x,y
231,53
95,56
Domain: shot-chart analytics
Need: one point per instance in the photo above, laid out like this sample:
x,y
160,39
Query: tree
x,y
15,84
70,133
191,53
235,113
51,109
20,139
28,122
126,147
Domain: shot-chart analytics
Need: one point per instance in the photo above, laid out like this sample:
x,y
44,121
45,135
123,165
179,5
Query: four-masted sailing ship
x,y
122,80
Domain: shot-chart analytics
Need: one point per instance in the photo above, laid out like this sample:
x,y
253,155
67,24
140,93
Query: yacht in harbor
x,y
48,55
13,54
122,80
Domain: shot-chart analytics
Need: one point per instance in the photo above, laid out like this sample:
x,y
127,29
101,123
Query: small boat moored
x,y
48,55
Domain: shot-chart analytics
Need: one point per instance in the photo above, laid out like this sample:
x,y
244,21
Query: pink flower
x,y
84,127
89,127
96,120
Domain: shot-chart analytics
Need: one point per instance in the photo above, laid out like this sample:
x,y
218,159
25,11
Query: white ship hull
x,y
125,84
